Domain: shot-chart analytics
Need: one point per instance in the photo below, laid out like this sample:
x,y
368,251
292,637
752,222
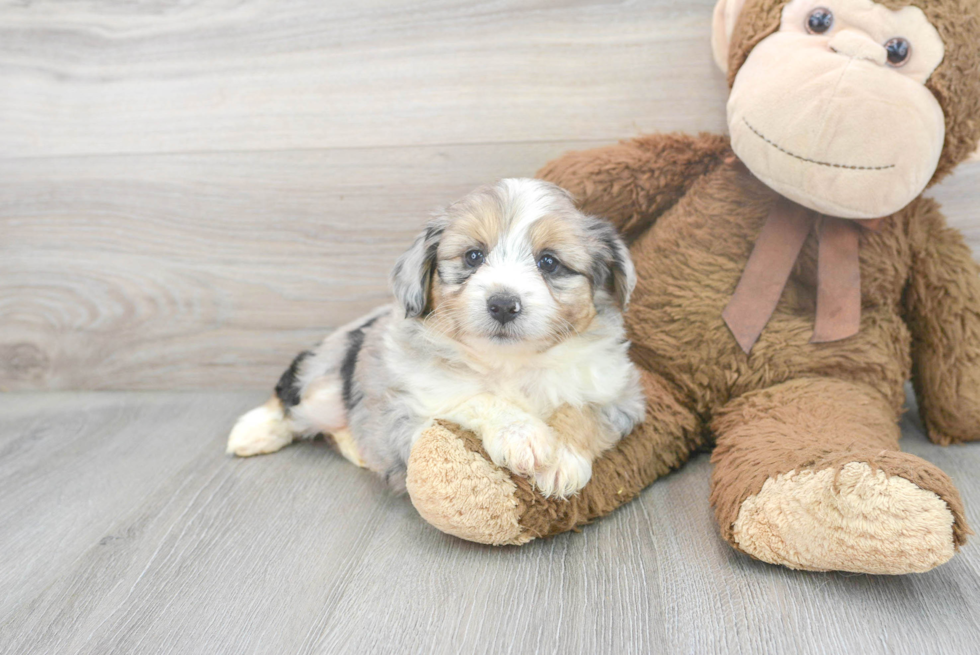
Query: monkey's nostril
x,y
504,308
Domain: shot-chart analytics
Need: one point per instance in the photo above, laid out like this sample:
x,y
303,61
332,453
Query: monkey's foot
x,y
854,518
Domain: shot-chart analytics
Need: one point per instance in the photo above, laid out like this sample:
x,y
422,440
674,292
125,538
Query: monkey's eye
x,y
819,21
473,258
899,51
548,263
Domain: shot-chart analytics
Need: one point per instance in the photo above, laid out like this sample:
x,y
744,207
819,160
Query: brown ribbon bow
x,y
770,265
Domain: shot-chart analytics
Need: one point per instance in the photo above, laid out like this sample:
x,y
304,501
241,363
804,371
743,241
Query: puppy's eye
x,y
548,263
819,21
899,51
473,258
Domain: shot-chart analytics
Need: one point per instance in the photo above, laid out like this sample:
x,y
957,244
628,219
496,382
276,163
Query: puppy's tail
x,y
263,430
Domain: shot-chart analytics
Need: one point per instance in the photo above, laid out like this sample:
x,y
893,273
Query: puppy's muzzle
x,y
504,308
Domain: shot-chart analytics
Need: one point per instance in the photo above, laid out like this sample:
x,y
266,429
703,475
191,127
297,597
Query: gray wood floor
x,y
125,529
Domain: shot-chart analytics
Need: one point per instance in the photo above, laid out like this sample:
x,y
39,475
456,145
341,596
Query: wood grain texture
x,y
126,530
102,77
192,192
204,270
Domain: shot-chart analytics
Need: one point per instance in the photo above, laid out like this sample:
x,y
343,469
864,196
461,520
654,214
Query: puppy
x,y
508,322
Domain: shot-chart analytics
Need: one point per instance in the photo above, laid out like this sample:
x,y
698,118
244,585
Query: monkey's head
x,y
851,107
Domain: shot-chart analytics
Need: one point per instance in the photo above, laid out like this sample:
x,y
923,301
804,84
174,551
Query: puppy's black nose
x,y
504,308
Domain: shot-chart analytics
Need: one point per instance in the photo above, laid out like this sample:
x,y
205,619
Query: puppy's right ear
x,y
411,278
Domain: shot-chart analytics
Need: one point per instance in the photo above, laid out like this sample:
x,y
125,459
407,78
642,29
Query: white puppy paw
x,y
523,445
569,473
262,430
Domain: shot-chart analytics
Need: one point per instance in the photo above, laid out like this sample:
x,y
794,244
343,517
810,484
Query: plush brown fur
x,y
688,263
692,212
921,303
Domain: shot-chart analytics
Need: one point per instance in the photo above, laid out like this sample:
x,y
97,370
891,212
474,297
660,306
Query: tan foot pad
x,y
854,519
462,493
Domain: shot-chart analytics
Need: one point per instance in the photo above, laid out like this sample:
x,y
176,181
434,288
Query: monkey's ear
x,y
722,26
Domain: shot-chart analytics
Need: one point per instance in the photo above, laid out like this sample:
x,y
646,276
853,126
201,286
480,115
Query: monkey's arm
x,y
943,313
633,182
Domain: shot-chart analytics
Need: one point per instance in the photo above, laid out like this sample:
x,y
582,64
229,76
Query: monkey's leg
x,y
943,315
457,489
808,474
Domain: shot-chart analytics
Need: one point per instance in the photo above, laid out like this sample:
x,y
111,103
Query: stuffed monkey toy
x,y
791,279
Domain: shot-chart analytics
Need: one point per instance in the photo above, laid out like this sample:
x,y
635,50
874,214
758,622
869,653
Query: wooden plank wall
x,y
191,192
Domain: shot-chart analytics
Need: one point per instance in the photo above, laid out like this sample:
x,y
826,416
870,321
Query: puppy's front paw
x,y
570,472
523,445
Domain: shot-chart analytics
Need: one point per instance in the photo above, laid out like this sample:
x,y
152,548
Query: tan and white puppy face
x,y
514,264
831,110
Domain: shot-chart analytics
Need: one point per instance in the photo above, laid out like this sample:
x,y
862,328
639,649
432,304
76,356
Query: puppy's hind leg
x,y
313,396
263,430
269,428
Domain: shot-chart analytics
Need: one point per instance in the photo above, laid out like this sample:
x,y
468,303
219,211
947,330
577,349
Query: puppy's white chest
x,y
578,372
542,385
437,390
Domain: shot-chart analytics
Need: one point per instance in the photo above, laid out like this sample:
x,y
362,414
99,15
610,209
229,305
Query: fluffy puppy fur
x,y
508,322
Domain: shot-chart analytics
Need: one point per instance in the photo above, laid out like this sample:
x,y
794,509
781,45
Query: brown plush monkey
x,y
768,321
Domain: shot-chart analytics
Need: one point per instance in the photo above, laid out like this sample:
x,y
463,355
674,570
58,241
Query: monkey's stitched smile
x,y
813,161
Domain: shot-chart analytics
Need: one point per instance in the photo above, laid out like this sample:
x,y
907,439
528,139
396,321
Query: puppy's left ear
x,y
614,260
411,278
